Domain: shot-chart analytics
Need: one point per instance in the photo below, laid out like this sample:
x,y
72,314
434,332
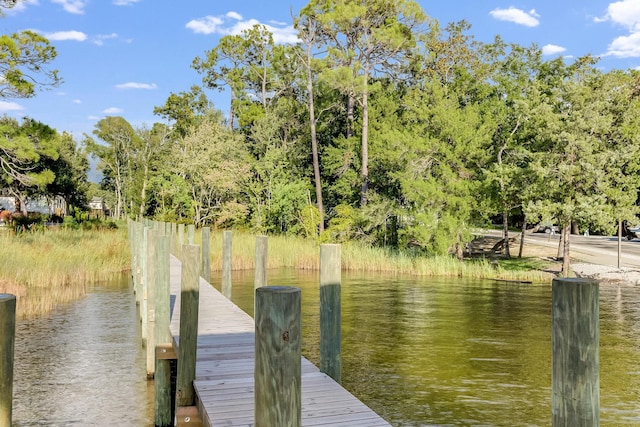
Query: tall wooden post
x,y
174,239
191,234
277,372
206,254
260,270
180,241
162,377
330,311
226,264
575,336
7,341
189,298
151,315
143,284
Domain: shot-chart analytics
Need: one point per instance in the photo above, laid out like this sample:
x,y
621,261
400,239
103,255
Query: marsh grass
x,y
296,252
47,268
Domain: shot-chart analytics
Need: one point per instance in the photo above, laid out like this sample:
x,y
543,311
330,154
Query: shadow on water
x,y
83,364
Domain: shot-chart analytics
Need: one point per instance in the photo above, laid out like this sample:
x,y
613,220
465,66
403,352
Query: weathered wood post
x,y
206,254
7,341
174,238
260,269
575,337
162,377
277,372
180,241
143,283
139,233
330,311
191,234
226,264
151,317
189,298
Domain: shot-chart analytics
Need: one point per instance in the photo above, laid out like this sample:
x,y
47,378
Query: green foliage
x,y
24,58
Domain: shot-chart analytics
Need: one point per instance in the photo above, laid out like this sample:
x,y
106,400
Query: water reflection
x,y
425,352
83,364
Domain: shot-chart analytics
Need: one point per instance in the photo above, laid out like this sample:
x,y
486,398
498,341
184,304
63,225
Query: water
x,y
83,365
420,352
434,352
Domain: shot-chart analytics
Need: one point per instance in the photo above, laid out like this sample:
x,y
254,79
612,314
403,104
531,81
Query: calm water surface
x,y
83,365
433,352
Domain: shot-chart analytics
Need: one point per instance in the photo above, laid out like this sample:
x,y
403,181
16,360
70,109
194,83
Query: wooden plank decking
x,y
225,364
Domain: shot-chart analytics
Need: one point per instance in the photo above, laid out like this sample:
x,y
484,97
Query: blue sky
x,y
123,57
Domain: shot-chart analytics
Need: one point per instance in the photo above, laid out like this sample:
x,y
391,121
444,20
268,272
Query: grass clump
x,y
47,268
301,253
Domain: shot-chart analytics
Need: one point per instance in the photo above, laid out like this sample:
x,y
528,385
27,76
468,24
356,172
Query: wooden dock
x,y
224,383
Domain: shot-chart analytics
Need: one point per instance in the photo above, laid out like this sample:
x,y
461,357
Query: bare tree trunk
x,y
365,139
143,192
522,234
351,105
566,256
314,140
505,233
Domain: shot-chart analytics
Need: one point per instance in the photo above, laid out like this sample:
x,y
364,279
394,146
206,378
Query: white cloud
x,y
206,25
77,101
100,38
220,25
10,106
67,35
625,46
625,13
93,118
518,16
134,85
72,6
552,49
124,2
113,110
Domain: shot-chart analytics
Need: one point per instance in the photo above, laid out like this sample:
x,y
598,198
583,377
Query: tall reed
x,y
47,268
296,252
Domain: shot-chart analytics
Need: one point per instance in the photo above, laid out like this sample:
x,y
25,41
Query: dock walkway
x,y
224,381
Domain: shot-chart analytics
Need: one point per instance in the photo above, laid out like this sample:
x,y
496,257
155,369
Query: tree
x,y
24,59
184,110
365,38
117,137
70,170
23,150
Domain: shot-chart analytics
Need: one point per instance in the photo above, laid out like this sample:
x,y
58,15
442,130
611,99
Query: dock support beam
x,y
575,337
7,341
162,378
260,268
226,264
206,254
187,349
278,367
330,311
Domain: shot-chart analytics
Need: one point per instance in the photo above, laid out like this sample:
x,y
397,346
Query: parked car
x,y
547,228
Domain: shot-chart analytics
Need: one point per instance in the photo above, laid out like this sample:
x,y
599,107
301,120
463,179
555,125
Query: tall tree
x,y
114,150
365,38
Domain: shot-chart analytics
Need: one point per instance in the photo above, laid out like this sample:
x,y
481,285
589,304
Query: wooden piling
x,y
189,298
206,254
143,283
330,311
174,239
260,267
226,264
191,234
162,377
7,341
180,241
575,336
151,321
277,373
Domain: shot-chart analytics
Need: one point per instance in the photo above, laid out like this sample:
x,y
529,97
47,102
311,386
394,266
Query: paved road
x,y
601,250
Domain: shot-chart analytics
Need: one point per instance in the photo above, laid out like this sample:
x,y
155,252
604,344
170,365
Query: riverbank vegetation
x,y
378,125
302,253
47,268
